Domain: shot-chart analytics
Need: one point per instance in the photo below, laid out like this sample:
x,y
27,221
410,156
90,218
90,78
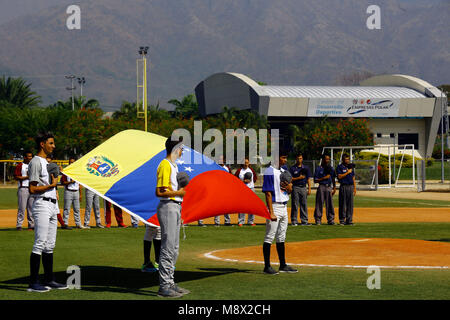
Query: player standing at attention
x,y
325,176
72,196
169,217
277,197
249,177
43,189
152,234
347,190
25,201
300,192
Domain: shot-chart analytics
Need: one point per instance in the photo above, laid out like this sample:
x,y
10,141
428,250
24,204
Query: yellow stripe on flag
x,y
114,159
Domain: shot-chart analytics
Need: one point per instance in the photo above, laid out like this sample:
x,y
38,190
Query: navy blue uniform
x,y
324,194
346,195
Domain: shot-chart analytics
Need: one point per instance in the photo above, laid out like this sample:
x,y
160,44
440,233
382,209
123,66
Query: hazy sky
x,y
10,9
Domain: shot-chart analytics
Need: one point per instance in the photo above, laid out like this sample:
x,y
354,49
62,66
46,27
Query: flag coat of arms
x,y
123,169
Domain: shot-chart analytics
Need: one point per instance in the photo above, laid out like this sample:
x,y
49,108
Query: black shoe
x,y
66,227
227,225
270,271
349,224
331,223
305,224
288,269
19,228
55,285
36,287
318,223
294,224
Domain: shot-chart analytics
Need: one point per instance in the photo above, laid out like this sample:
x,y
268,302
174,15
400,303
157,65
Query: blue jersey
x,y
271,184
295,172
348,179
320,173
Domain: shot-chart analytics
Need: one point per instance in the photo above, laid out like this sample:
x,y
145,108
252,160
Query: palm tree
x,y
16,92
79,103
186,108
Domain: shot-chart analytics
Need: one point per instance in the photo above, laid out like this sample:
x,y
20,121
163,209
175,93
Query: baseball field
x,y
406,234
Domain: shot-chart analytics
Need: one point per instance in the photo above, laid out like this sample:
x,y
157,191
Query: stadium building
x,y
400,109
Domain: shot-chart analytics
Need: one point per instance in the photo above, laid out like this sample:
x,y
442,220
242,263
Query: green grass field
x,y
110,259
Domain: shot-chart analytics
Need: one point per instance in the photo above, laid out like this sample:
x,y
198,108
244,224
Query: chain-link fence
x,y
433,175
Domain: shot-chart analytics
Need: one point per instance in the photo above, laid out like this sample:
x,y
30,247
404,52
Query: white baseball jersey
x,y
272,183
22,170
37,170
243,171
73,186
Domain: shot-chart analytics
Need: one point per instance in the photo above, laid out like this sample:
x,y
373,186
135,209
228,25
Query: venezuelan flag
x,y
123,171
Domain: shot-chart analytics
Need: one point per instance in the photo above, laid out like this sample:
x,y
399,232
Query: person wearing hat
x,y
277,186
248,176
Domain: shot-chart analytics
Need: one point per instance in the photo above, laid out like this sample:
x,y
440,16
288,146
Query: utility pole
x,y
72,87
81,82
142,85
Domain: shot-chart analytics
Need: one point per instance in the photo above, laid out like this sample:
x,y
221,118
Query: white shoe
x,y
79,226
100,226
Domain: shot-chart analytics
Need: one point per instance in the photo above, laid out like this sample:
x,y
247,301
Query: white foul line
x,y
210,255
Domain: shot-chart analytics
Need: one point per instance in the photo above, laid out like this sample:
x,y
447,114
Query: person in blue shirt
x,y
301,189
277,196
325,176
347,190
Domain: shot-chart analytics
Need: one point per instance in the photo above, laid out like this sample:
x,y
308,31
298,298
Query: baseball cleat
x,y
55,285
180,290
66,227
149,267
168,293
270,271
100,226
305,224
36,287
288,269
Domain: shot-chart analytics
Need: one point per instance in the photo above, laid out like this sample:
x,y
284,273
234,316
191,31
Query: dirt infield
x,y
350,253
361,215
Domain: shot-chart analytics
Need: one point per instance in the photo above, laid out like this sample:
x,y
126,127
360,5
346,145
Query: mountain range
x,y
282,42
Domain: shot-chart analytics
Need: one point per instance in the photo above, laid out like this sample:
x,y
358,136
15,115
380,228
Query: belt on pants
x,y
326,185
49,199
72,190
301,185
346,184
283,203
23,187
170,200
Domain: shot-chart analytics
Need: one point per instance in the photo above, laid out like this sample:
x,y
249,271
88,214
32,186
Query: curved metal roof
x,y
339,92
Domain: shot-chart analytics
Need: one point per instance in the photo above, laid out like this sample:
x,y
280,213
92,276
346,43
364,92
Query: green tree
x,y
80,102
16,92
186,108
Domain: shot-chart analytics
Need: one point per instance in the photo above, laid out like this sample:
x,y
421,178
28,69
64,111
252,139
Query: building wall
x,y
388,126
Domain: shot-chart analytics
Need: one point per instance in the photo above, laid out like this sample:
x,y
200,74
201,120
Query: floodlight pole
x,y
143,52
442,138
71,78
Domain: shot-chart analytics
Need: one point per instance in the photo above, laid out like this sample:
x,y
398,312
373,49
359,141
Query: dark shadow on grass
x,y
121,280
439,240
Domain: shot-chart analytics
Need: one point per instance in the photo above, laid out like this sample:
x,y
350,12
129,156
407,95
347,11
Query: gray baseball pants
x,y
226,219
346,204
299,197
71,198
250,218
25,202
92,200
45,225
323,196
169,216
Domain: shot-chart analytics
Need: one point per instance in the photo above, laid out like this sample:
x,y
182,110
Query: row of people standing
x,y
72,198
325,175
